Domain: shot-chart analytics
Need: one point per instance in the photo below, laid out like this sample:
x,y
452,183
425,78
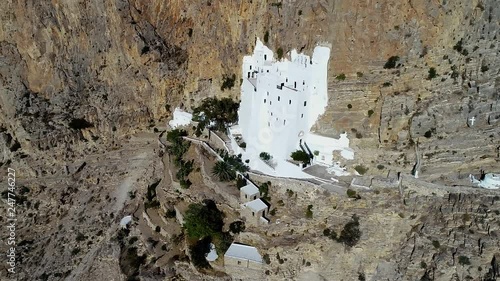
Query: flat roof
x,y
250,189
245,252
256,205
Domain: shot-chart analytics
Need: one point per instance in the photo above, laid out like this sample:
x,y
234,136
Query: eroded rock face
x,y
77,78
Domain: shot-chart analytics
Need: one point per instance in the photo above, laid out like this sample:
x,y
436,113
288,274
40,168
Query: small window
x,y
250,67
246,196
265,57
305,103
255,89
290,102
268,124
284,122
253,214
264,100
302,115
267,93
271,114
268,71
287,79
303,82
278,98
295,84
270,103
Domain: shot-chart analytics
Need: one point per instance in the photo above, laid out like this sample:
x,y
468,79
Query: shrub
x,y
170,214
432,73
428,134
243,145
484,68
359,74
266,258
341,77
228,82
391,62
265,156
316,153
279,53
387,84
266,37
237,227
370,112
273,212
309,212
157,228
351,193
289,192
240,182
349,106
436,244
463,260
380,166
326,232
360,169
351,234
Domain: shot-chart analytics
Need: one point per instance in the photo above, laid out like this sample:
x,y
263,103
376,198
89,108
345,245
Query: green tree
x,y
199,251
202,220
223,171
265,156
300,155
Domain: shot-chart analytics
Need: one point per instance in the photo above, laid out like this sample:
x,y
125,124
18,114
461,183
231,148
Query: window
x,y
278,98
248,74
302,115
284,122
271,114
287,79
305,103
270,103
246,196
265,57
303,82
290,102
264,100
253,214
267,93
268,124
295,84
254,197
250,67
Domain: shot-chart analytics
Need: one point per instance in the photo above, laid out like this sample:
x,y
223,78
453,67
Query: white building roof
x,y
240,251
256,205
250,189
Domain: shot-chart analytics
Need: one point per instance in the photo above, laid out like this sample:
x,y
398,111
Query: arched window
x,y
264,100
278,98
305,103
289,101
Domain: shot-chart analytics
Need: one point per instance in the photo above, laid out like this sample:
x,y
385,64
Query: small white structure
x,y
490,181
125,221
280,102
249,192
255,211
181,118
243,256
212,255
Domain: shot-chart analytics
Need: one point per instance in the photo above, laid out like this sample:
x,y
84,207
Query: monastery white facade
x,y
280,102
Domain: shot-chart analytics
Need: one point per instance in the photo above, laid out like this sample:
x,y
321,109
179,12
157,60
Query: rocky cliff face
x,y
78,78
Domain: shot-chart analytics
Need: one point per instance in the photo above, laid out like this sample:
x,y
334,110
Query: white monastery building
x,y
280,102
